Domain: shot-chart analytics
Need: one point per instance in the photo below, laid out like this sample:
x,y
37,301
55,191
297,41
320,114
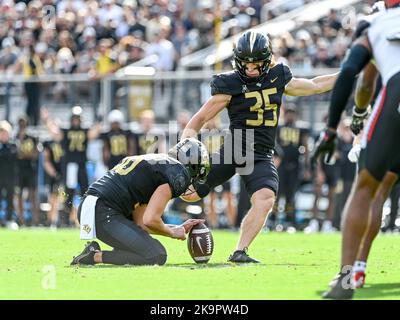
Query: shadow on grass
x,y
377,290
295,264
191,266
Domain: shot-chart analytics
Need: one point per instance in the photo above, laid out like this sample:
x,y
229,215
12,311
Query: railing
x,y
167,93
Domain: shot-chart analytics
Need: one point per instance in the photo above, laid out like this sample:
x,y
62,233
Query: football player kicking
x,y
252,94
139,189
376,158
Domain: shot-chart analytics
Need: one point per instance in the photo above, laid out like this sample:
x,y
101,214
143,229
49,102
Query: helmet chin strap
x,y
189,191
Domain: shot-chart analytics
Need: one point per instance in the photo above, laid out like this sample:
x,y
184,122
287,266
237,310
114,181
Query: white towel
x,y
72,175
354,153
88,218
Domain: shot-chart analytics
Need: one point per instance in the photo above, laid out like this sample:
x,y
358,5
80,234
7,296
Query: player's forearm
x,y
53,128
95,131
193,127
157,226
324,83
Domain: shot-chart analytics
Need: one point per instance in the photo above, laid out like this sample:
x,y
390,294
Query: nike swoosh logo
x,y
273,80
199,244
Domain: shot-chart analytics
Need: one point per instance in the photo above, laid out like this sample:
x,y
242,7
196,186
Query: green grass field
x,y
34,264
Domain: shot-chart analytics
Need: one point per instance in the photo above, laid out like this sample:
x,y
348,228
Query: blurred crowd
x,y
76,36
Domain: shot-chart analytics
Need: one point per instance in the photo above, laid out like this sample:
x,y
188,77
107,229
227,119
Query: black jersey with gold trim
x,y
133,181
75,141
117,142
254,107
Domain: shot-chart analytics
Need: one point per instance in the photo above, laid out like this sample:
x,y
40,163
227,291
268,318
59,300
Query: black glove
x,y
357,121
325,145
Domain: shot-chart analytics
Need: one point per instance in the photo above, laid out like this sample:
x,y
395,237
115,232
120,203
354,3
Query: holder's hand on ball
x,y
190,223
178,232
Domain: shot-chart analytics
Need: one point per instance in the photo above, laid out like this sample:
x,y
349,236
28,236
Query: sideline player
x,y
117,142
74,140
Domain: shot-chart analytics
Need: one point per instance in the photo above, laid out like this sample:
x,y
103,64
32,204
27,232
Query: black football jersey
x,y
27,147
56,153
148,142
254,108
291,139
117,142
133,181
75,142
8,157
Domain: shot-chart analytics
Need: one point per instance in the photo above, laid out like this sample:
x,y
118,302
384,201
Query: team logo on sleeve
x,y
179,183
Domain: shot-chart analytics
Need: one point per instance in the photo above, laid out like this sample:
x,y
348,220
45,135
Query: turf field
x,y
34,264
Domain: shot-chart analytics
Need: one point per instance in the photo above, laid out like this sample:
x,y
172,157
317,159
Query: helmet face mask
x,y
252,47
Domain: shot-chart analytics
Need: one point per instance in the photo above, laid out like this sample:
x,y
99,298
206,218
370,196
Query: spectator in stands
x,y
333,20
163,49
32,66
8,55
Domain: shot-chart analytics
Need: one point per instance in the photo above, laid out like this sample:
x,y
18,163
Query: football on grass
x,y
200,243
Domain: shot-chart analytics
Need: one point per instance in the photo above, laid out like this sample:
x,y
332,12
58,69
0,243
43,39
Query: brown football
x,y
200,243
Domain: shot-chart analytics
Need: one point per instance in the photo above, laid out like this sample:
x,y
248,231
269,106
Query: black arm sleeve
x,y
358,58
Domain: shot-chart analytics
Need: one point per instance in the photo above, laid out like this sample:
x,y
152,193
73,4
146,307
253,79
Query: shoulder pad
x,y
287,73
226,83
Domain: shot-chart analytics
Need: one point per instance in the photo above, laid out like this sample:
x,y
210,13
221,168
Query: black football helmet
x,y
252,46
193,154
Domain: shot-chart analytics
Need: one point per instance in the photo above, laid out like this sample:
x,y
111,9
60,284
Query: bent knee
x,y
159,254
265,204
159,259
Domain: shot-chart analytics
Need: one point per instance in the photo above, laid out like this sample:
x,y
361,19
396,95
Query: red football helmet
x,y
391,3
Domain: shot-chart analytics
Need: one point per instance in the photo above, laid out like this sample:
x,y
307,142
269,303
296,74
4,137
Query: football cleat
x,y
337,291
359,279
241,256
87,255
